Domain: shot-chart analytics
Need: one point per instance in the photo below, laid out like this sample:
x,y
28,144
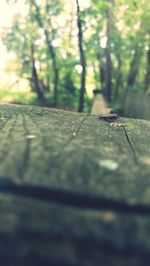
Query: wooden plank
x,y
74,190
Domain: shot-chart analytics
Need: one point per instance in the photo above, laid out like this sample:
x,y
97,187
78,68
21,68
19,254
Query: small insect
x,y
109,118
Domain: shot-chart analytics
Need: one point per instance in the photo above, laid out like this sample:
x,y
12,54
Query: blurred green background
x,y
55,52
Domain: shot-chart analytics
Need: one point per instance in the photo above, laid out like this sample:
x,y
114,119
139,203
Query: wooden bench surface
x,y
74,190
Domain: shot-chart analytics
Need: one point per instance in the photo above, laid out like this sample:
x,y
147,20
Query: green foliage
x,y
129,43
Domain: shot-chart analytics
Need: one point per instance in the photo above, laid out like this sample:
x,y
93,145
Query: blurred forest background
x,y
60,50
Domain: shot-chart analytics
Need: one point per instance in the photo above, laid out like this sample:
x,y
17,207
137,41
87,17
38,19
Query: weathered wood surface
x,y
74,190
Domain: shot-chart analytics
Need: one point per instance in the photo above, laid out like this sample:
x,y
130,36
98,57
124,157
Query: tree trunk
x,y
35,81
82,59
147,76
55,68
119,78
134,67
108,69
50,50
100,64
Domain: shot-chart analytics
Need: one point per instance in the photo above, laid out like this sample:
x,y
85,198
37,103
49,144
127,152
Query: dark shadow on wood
x,y
73,198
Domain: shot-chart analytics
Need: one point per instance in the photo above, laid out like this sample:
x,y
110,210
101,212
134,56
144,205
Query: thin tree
x,y
82,59
147,75
108,67
135,61
134,66
99,57
50,50
35,83
119,76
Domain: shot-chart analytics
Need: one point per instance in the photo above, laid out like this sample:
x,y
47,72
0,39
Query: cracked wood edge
x,y
129,141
